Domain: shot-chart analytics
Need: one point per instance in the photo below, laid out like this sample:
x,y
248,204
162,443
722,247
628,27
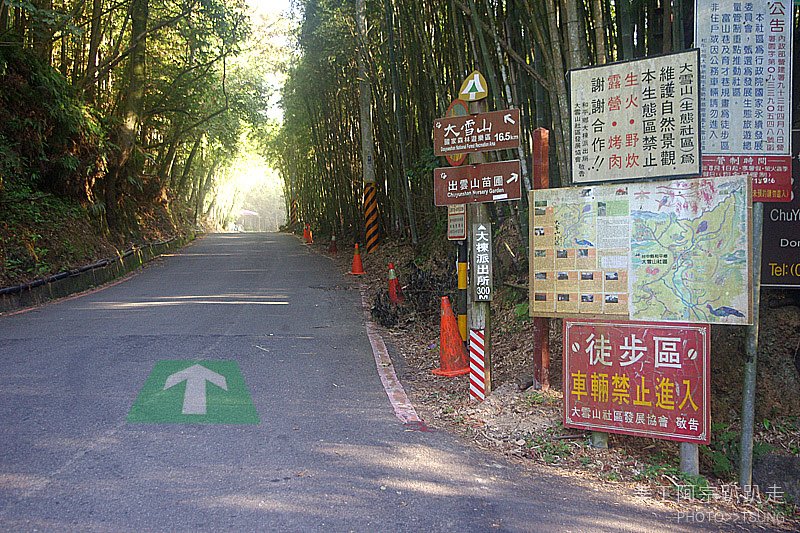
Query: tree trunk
x,y
575,41
599,32
365,97
3,16
42,32
400,117
131,109
667,45
88,83
561,116
625,28
187,166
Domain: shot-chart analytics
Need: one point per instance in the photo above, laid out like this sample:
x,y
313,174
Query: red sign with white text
x,y
636,378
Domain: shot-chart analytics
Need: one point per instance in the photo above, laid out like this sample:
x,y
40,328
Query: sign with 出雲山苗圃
x,y
489,182
636,119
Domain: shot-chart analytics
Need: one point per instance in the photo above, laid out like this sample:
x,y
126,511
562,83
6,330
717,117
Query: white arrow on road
x,y
514,177
194,399
508,120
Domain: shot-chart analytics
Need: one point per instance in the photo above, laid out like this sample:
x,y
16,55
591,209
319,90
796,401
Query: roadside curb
x,y
403,408
66,283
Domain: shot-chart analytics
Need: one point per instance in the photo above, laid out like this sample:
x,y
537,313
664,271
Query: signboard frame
x,y
611,250
782,222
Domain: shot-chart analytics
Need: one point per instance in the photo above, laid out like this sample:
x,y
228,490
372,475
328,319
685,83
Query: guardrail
x,y
63,284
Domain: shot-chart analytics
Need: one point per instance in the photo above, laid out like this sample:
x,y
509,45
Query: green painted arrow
x,y
194,392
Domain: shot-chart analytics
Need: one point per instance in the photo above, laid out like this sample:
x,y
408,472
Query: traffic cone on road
x,y
332,246
307,233
452,353
395,291
357,268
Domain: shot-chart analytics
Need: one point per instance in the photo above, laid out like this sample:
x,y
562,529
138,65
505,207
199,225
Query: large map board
x,y
659,251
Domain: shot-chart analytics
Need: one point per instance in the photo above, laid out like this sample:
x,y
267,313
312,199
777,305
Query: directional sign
x,y
194,396
490,182
498,130
474,88
195,392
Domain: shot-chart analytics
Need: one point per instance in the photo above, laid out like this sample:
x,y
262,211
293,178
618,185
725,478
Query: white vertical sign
x,y
746,71
746,58
456,222
482,262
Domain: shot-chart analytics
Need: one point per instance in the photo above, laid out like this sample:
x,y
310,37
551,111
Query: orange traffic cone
x,y
358,268
332,246
452,353
307,233
395,291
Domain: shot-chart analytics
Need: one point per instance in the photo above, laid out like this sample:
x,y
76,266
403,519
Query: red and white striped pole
x,y
477,364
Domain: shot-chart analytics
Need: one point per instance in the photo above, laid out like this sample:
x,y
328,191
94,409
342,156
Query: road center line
x,y
403,408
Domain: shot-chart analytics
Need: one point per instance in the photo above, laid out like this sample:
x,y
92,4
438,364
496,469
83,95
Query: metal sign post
x,y
751,358
470,132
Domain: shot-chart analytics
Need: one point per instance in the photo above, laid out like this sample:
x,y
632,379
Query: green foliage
x,y
530,399
48,137
549,451
522,312
722,454
670,475
723,450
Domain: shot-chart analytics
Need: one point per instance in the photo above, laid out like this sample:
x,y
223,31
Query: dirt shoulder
x,y
525,426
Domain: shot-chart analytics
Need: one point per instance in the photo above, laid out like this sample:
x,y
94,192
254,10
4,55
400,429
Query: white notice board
x,y
636,119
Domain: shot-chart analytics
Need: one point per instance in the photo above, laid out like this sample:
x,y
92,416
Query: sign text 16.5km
x,y
498,130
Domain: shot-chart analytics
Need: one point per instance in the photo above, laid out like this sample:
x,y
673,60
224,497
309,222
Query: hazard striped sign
x,y
477,372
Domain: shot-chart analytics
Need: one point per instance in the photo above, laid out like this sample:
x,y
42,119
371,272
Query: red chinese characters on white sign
x,y
636,119
643,379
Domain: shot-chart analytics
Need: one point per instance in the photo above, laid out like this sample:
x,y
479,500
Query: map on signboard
x,y
580,251
689,242
660,251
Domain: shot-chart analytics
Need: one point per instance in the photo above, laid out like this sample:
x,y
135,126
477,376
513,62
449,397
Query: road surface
x,y
294,432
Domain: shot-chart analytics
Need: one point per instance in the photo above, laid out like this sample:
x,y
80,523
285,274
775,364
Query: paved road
x,y
328,452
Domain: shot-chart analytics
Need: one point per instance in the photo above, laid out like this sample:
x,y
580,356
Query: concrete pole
x,y
751,358
690,458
